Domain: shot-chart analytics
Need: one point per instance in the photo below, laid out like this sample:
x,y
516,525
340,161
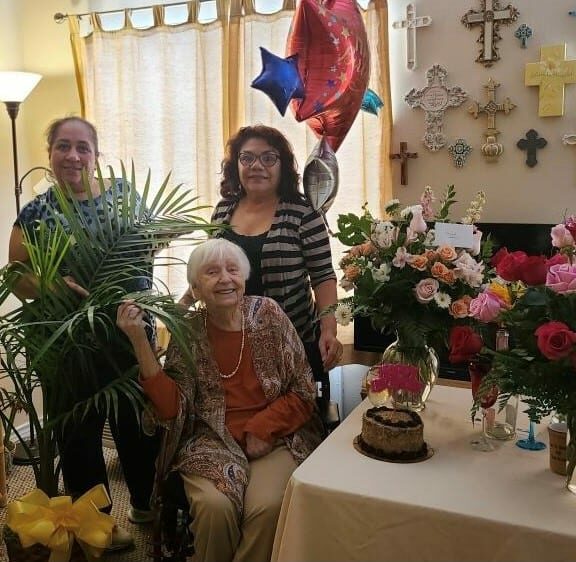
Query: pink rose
x,y
486,307
555,340
426,289
561,236
417,224
561,278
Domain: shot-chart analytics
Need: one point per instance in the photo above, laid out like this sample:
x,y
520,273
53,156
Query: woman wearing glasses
x,y
284,238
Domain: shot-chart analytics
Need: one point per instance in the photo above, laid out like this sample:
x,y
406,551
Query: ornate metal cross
x,y
434,99
530,144
491,149
490,16
551,74
403,156
411,23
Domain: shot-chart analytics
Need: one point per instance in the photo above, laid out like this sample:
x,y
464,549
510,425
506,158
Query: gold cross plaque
x,y
551,74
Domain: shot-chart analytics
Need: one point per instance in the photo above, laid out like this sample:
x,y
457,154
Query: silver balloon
x,y
320,177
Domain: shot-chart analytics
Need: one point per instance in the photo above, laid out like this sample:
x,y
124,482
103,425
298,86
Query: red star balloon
x,y
334,63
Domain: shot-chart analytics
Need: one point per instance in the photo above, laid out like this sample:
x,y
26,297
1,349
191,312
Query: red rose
x,y
508,266
555,340
532,270
464,344
498,256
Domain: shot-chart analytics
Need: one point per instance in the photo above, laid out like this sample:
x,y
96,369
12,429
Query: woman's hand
x,y
130,319
78,289
256,448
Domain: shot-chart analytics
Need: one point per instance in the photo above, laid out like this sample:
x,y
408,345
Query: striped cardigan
x,y
296,257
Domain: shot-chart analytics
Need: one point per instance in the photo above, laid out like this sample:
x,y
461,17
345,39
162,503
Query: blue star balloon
x,y
279,79
371,103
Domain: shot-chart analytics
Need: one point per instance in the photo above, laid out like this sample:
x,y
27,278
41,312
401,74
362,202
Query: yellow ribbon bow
x,y
56,522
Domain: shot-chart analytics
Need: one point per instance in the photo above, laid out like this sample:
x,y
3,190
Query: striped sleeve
x,y
316,248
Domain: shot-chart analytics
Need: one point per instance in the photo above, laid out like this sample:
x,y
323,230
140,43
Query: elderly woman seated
x,y
244,418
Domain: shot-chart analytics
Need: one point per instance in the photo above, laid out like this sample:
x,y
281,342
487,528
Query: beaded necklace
x,y
241,347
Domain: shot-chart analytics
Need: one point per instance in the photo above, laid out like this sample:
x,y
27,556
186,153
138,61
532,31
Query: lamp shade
x,y
15,86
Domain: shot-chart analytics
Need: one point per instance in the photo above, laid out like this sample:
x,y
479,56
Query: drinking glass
x,y
477,373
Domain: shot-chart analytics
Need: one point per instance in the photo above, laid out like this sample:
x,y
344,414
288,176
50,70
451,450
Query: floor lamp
x,y
14,89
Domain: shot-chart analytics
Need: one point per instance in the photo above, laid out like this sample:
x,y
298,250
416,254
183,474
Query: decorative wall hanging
x,y
411,23
551,74
403,156
569,139
572,13
491,149
530,144
434,99
490,16
459,151
523,33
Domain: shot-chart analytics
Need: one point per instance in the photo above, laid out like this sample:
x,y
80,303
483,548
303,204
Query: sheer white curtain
x,y
156,95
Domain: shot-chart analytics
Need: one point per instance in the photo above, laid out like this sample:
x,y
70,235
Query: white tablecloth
x,y
460,505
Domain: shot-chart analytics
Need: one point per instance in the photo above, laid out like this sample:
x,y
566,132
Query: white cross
x,y
410,24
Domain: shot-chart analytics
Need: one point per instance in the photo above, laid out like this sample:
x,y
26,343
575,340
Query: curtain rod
x,y
59,17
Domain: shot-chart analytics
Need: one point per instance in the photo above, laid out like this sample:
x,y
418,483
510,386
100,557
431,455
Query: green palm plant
x,y
47,345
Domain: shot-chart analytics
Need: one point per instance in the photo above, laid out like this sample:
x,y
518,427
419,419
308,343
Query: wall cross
x,y
551,74
403,156
530,144
434,99
411,24
491,108
490,16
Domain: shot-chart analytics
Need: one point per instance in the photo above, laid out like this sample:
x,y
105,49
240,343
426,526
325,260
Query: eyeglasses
x,y
267,159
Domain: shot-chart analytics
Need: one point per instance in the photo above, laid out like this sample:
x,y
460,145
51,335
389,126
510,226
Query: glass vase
x,y
425,360
571,452
501,422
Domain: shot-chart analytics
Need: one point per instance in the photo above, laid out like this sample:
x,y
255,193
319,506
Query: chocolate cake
x,y
393,434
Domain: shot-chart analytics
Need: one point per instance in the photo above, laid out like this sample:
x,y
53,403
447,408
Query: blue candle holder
x,y
530,443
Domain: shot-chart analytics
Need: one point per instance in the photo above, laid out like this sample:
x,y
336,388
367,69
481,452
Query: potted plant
x,y
59,327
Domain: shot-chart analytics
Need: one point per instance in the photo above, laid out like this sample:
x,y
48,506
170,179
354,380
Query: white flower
x,y
391,205
384,233
468,269
443,300
400,258
343,314
405,212
430,236
382,274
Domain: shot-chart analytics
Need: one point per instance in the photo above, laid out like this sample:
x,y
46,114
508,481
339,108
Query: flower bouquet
x,y
407,281
541,318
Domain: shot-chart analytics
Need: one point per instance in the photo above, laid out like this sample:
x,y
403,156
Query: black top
x,y
252,246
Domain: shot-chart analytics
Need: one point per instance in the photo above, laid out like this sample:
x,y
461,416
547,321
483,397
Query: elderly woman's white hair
x,y
216,249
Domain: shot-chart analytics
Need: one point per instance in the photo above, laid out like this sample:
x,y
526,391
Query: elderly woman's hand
x,y
130,319
255,447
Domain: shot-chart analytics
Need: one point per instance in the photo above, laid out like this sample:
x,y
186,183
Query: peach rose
x,y
459,308
351,272
449,277
432,255
418,262
438,270
447,253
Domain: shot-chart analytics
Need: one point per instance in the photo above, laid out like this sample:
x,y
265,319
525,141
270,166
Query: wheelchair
x,y
172,539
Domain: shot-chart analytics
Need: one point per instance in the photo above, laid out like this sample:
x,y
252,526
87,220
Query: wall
x,y
516,193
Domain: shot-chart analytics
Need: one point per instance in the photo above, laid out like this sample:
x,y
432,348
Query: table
x,y
460,505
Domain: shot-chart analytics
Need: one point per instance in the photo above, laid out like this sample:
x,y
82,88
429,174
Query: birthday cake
x,y
396,435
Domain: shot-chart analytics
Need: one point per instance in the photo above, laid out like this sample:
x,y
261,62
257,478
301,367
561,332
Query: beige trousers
x,y
218,535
